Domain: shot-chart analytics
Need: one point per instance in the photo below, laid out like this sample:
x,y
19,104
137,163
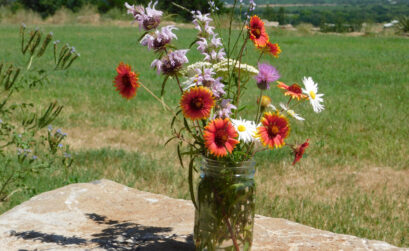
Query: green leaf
x,y
180,155
192,195
140,38
196,40
169,140
241,108
163,86
174,118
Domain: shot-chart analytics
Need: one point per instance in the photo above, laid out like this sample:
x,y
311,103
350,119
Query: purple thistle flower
x,y
267,74
148,18
160,38
171,63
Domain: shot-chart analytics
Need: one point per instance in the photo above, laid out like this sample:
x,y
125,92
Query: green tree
x,y
281,16
269,13
49,7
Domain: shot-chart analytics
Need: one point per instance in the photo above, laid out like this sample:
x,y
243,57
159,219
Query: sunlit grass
x,y
354,180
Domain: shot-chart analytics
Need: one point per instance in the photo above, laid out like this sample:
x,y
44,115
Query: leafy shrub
x,y
403,25
25,147
49,7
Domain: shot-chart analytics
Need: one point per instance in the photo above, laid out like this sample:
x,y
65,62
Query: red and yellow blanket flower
x,y
197,103
273,130
272,49
293,90
299,151
220,137
257,32
126,81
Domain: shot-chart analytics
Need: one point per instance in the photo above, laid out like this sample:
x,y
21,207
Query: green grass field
x,y
354,180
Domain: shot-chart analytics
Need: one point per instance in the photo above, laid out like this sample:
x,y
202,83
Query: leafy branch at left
x,y
28,143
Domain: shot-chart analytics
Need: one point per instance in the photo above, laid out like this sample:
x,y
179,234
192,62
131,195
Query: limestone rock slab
x,y
104,215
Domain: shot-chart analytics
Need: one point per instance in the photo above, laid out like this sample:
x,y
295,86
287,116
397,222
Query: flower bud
x,y
46,41
265,101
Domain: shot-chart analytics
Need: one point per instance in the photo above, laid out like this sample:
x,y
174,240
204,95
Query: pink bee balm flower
x,y
205,77
267,74
148,18
160,38
171,63
225,109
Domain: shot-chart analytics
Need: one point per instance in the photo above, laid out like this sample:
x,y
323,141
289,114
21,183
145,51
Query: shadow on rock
x,y
50,238
116,235
131,236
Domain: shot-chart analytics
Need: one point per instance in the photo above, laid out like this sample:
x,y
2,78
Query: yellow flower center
x,y
198,103
241,128
291,112
274,130
312,94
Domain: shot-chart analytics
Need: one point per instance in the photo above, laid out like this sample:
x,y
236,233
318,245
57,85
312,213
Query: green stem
x,y
259,106
261,54
30,62
233,237
238,78
192,194
158,99
180,86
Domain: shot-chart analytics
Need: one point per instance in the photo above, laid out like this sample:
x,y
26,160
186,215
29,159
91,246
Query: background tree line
x,y
341,18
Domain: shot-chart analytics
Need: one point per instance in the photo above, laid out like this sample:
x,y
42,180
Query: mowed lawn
x,y
353,180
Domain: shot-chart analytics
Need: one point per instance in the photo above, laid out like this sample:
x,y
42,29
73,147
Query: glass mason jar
x,y
225,198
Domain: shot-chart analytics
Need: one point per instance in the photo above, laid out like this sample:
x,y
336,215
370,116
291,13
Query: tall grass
x,y
88,14
355,179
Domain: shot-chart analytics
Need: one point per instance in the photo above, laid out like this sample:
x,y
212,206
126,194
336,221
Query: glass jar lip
x,y
213,162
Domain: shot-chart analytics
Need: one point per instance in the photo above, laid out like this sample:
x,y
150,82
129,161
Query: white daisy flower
x,y
272,107
311,90
246,129
291,112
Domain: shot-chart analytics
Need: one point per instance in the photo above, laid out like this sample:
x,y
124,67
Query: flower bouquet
x,y
209,122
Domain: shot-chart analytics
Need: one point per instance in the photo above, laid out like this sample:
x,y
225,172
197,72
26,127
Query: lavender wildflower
x,y
213,6
252,5
209,47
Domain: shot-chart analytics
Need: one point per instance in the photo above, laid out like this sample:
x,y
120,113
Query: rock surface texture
x,y
104,215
